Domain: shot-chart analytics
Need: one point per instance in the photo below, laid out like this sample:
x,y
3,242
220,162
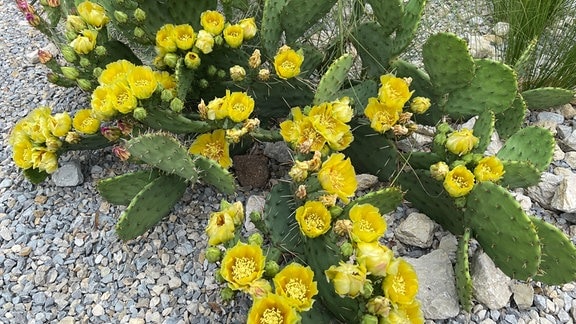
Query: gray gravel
x,y
62,261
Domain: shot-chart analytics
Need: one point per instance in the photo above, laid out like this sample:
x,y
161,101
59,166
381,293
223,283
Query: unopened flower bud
x,y
53,77
203,83
171,59
335,211
70,72
121,152
120,16
213,254
271,268
237,73
221,74
218,40
75,23
439,170
249,27
192,60
346,249
140,113
111,133
176,105
84,62
212,70
379,306
255,217
368,289
255,239
420,105
263,74
255,59
369,319
139,32
125,128
166,95
100,50
68,53
342,227
444,128
227,294
44,56
96,72
84,84
72,138
140,15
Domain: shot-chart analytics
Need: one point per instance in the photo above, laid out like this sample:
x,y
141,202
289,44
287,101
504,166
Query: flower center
x,y
460,181
242,268
399,285
213,151
296,289
288,65
272,316
239,107
366,226
314,221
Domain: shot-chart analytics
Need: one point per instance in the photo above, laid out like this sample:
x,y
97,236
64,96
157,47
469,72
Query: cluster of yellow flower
x,y
83,28
36,138
459,181
385,112
243,267
375,263
122,84
320,127
173,38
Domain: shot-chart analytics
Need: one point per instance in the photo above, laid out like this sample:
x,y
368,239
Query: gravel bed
x,y
61,261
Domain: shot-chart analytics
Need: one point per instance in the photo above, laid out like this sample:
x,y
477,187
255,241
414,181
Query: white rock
x,y
98,310
525,202
490,285
366,181
437,289
558,154
565,110
565,196
544,191
501,28
480,47
449,243
495,144
416,230
570,158
5,234
253,204
570,142
523,294
68,175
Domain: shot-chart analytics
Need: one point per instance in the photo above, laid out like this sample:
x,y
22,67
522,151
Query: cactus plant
x,y
120,190
333,79
510,120
462,271
522,147
542,98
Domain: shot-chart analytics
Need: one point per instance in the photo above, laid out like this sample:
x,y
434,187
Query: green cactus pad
x,y
120,190
519,174
386,200
309,13
312,59
428,196
483,129
359,95
373,46
270,28
493,87
170,121
372,153
532,144
510,120
421,160
212,173
462,271
503,230
149,206
407,30
87,142
558,264
448,62
184,79
389,14
333,79
279,219
165,153
542,98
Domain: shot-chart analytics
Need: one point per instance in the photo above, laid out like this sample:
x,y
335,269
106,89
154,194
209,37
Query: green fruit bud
x,y
218,277
68,53
255,217
192,60
203,83
335,211
271,268
444,128
96,72
70,35
460,202
171,59
218,40
273,254
140,113
120,17
84,62
255,239
70,72
368,289
227,294
369,319
176,105
166,95
346,249
221,74
212,70
100,50
119,2
53,77
84,84
139,32
213,254
140,15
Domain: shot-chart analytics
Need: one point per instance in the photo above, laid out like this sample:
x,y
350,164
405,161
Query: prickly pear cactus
x,y
533,144
542,98
212,173
333,79
462,271
120,190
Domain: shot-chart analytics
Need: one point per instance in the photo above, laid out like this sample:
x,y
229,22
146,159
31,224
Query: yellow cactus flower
x,y
44,159
382,117
337,176
409,314
290,129
249,27
93,14
394,92
142,82
37,124
374,256
313,218
459,181
325,122
233,35
343,143
259,288
439,170
296,283
204,41
184,36
461,142
235,210
420,105
22,153
60,124
192,60
242,265
84,123
489,168
216,109
238,105
348,279
287,62
214,146
368,224
401,283
212,21
123,99
165,79
310,139
115,72
342,110
165,38
102,103
84,43
272,309
220,228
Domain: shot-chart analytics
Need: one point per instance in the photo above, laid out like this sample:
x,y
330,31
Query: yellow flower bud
x,y
234,35
439,170
420,105
192,60
249,27
237,73
461,142
204,41
85,43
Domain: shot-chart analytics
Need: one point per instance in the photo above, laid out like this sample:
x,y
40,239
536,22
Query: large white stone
x,y
490,285
68,175
416,230
544,191
565,196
